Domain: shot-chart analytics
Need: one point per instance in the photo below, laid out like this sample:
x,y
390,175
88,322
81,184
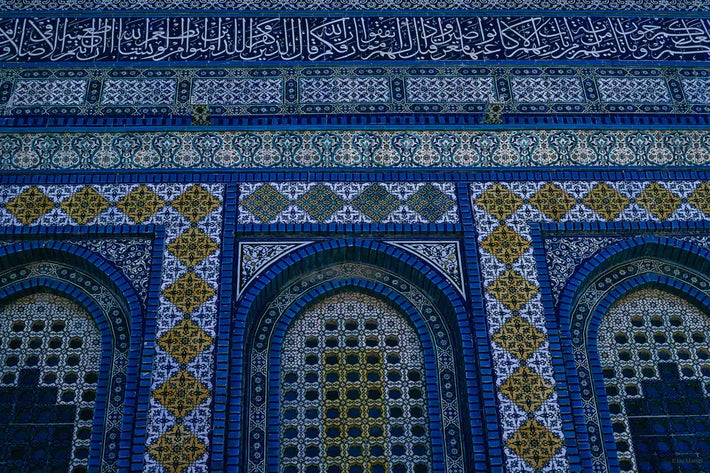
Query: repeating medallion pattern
x,y
353,149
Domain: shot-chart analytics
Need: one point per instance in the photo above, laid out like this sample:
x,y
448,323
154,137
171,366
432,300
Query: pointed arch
x,y
608,277
374,256
98,287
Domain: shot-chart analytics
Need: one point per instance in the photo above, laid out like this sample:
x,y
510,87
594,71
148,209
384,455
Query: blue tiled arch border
x,y
44,241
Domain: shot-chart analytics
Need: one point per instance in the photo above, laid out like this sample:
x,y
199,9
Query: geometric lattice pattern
x,y
138,92
634,90
654,354
48,382
348,203
49,92
547,89
353,396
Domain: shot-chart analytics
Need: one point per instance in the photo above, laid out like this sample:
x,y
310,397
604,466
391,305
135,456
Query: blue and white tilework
x,y
237,91
697,90
547,89
450,89
138,92
345,90
634,90
515,205
353,148
473,36
255,257
443,255
258,93
49,92
51,355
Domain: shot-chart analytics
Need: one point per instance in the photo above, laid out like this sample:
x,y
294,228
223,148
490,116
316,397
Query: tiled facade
x,y
339,237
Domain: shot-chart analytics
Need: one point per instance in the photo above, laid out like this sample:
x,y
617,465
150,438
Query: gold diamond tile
x,y
534,443
30,205
177,449
659,201
553,201
512,290
606,201
189,292
505,244
519,338
85,205
320,202
527,389
181,394
140,204
700,199
195,203
499,201
185,341
265,203
192,247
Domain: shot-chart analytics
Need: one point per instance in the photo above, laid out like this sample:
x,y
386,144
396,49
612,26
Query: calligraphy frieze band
x,y
353,149
379,92
353,38
216,5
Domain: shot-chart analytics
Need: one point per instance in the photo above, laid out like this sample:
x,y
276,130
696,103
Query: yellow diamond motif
x,y
519,338
659,201
606,201
499,201
505,244
140,204
534,443
181,394
192,247
553,201
527,389
189,292
85,205
177,449
30,205
512,290
700,199
195,203
185,341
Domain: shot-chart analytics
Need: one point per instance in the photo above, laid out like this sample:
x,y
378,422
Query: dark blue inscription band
x,y
432,38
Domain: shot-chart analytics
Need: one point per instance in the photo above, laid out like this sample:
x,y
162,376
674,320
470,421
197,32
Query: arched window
x,y
653,351
352,369
353,393
51,354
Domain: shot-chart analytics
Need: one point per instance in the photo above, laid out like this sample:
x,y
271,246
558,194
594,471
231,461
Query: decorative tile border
x,y
357,149
179,420
289,38
504,213
363,91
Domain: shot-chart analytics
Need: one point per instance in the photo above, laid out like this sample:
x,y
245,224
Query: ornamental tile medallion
x,y
30,205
